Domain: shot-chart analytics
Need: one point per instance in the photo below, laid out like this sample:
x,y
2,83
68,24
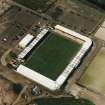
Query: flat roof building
x,y
26,40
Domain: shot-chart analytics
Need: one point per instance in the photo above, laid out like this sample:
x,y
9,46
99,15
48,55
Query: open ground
x,y
39,5
7,94
77,15
94,75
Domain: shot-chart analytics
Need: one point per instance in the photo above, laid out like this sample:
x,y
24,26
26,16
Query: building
x,y
47,82
26,40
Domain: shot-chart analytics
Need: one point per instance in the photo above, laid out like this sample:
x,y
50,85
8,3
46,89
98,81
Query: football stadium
x,y
52,56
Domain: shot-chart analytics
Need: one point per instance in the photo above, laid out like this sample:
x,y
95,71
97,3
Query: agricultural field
x,y
15,22
94,75
40,5
78,15
63,101
51,57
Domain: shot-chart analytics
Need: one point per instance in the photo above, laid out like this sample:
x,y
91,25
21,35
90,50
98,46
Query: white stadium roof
x,y
26,40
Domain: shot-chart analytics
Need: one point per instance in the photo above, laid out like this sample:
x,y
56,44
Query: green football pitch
x,y
36,4
52,56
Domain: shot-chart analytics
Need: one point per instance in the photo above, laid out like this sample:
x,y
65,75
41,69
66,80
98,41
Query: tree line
x,y
100,3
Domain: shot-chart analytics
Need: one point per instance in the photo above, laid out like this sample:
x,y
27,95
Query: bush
x,y
17,88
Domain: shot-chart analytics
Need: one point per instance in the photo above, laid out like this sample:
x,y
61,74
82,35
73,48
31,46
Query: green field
x,y
52,56
94,77
36,4
63,101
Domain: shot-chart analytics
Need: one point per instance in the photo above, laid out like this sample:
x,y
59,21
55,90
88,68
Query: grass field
x,y
52,56
94,77
63,101
86,17
36,4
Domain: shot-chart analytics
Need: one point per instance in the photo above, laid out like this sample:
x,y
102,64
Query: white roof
x,y
33,75
25,41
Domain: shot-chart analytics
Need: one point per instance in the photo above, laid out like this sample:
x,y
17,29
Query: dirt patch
x,y
7,95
